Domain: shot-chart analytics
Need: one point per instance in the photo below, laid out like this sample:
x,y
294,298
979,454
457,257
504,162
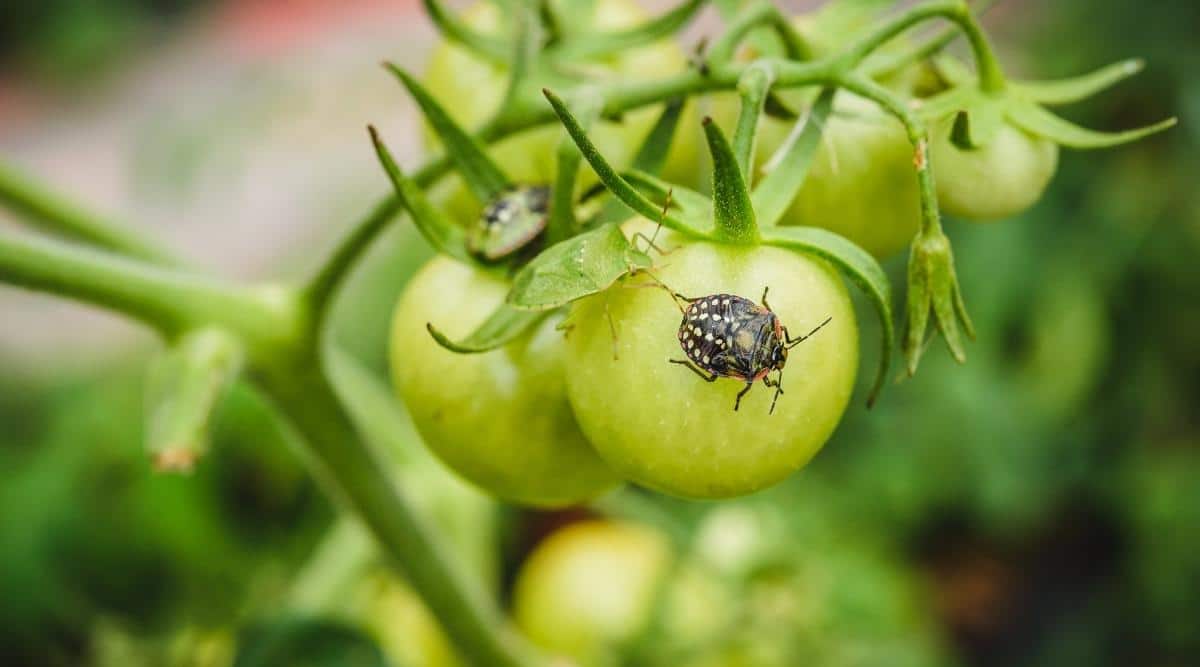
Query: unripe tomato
x,y
862,183
500,419
660,425
995,181
472,88
589,587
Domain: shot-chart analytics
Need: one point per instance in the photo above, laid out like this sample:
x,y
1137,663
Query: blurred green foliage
x,y
1045,497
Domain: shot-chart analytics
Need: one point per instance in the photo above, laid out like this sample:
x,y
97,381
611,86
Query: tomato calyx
x,y
978,112
933,288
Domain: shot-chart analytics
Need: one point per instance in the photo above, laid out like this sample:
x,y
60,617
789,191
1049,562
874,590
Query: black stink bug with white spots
x,y
725,335
510,222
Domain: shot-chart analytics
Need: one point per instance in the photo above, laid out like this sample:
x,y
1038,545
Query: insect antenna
x,y
790,342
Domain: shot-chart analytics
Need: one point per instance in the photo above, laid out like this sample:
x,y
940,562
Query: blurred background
x,y
1038,506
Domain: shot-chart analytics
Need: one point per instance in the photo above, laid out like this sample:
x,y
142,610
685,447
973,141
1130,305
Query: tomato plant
x,y
664,427
500,418
477,354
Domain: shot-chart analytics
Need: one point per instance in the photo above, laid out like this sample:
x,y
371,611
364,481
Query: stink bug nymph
x,y
725,335
509,222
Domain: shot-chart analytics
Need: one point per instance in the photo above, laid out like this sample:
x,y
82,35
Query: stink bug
x,y
725,335
510,222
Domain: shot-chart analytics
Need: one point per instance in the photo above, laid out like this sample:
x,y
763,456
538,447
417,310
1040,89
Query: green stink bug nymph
x,y
510,222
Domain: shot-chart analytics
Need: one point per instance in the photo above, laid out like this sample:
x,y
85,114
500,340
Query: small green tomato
x,y
660,425
995,181
500,419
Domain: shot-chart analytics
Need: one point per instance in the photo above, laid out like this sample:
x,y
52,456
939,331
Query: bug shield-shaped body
x,y
510,222
731,336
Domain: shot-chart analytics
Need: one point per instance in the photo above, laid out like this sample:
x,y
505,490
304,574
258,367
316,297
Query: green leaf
x,y
733,214
503,326
611,179
594,44
445,236
578,267
563,224
860,267
775,192
1038,121
1066,91
753,86
650,158
455,30
481,175
183,387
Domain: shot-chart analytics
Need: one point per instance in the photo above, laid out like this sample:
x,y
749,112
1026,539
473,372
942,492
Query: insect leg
x,y
793,342
778,384
764,298
742,393
697,371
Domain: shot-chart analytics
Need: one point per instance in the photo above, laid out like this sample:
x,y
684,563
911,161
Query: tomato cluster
x,y
636,367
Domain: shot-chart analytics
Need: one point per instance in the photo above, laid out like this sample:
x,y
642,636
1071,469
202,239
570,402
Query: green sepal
x,y
978,126
1074,89
482,176
1040,122
752,87
454,29
445,236
580,266
650,157
611,179
861,268
776,108
183,387
503,326
733,213
563,223
933,289
775,192
585,46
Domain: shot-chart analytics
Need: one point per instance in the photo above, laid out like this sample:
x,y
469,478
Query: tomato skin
x,y
660,425
500,419
993,182
590,586
472,88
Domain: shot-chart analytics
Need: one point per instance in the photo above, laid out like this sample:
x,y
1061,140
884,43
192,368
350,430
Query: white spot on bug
x,y
704,305
704,316
706,359
716,317
708,338
696,353
713,302
697,331
725,302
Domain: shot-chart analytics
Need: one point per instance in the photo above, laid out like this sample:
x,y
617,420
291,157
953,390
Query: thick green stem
x,y
355,475
167,300
53,213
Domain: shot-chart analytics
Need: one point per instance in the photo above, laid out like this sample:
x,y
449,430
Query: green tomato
x,y
404,627
996,181
862,183
660,425
589,587
472,89
500,419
